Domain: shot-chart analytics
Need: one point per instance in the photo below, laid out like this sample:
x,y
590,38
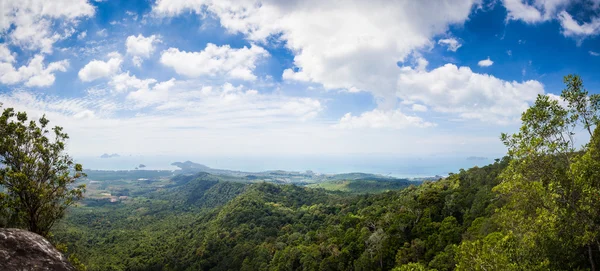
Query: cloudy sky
x,y
181,77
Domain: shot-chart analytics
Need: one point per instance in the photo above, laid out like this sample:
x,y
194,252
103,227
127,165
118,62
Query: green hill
x,y
358,186
203,223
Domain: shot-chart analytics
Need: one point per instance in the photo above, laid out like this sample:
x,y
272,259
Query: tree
x,y
37,178
411,267
551,187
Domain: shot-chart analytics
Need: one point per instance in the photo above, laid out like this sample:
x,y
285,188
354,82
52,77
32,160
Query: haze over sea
x,y
402,167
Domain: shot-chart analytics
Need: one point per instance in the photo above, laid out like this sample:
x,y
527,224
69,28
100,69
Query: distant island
x,y
106,155
190,166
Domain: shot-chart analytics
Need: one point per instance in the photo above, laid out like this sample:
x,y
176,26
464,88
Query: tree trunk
x,y
593,265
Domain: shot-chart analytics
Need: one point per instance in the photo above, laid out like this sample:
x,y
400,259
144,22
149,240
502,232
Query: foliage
x,y
361,186
551,189
204,223
37,177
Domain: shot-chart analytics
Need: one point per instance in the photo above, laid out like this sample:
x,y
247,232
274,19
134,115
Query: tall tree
x,y
37,177
551,187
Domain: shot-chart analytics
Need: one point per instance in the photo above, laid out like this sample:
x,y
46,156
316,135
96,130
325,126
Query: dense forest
x,y
202,223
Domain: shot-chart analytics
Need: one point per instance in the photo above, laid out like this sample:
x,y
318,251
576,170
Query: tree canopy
x,y
37,178
551,189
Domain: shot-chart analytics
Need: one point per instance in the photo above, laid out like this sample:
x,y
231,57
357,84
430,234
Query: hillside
x,y
203,223
368,185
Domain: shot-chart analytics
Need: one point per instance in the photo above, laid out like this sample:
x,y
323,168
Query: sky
x,y
291,78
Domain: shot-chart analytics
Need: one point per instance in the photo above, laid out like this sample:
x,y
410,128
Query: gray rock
x,y
22,250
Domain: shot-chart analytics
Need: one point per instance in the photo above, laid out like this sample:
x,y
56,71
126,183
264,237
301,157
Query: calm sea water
x,y
387,165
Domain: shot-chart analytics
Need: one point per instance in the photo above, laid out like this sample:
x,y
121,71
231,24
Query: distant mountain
x,y
282,176
191,167
106,155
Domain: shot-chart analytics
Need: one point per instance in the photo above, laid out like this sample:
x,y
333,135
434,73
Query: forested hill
x,y
203,223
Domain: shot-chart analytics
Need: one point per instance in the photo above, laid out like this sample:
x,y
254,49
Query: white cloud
x,y
485,62
419,108
215,61
96,69
353,47
140,47
572,28
145,96
35,74
203,118
102,33
393,119
559,99
29,24
124,82
537,11
5,54
533,11
450,89
356,47
421,63
594,53
226,105
451,43
289,74
517,10
82,35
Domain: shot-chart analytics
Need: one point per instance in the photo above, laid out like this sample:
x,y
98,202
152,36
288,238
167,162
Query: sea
x,y
400,167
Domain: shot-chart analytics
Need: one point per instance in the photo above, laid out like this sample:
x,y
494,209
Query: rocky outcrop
x,y
24,250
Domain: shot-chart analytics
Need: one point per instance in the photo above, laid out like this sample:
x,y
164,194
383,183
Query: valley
x,y
195,220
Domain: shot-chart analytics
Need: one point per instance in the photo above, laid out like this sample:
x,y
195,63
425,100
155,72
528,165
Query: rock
x,y
24,250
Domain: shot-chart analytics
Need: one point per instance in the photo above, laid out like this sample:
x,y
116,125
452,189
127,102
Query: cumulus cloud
x,y
214,117
451,43
102,33
559,99
393,119
34,74
572,28
5,54
124,82
96,69
215,61
594,53
419,108
485,62
450,89
82,35
29,24
353,47
543,10
146,96
533,11
140,47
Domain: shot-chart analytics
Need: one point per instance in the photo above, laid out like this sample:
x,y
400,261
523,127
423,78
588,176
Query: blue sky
x,y
285,78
